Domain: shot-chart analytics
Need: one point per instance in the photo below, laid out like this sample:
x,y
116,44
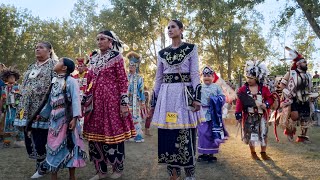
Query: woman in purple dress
x,y
175,117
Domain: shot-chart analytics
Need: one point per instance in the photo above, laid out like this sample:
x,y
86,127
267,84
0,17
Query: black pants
x,y
36,147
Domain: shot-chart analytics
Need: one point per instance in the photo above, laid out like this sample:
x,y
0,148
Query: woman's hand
x,y
124,111
72,124
196,106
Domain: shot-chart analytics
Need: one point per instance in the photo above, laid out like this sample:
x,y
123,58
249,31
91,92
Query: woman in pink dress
x,y
109,124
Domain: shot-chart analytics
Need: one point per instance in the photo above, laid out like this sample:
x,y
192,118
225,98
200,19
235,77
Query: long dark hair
x,y
70,65
68,112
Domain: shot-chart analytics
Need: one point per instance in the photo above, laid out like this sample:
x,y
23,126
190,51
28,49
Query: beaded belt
x,y
176,78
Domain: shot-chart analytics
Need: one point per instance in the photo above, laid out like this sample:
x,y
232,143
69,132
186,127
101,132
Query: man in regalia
x,y
298,97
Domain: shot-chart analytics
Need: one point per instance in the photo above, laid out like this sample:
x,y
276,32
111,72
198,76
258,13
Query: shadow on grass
x,y
272,169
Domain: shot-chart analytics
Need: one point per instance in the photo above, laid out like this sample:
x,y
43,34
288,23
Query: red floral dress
x,y
109,86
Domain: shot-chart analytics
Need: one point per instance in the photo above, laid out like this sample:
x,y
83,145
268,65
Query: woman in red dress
x,y
109,123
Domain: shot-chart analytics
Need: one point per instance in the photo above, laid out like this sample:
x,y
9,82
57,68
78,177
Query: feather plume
x,y
256,69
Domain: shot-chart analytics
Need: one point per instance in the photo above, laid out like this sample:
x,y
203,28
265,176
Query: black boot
x,y
203,157
211,158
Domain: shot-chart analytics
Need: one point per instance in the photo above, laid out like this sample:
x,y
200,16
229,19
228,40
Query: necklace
x,y
38,64
37,69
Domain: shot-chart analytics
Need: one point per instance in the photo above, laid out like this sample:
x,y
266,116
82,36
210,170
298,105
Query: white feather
x,y
292,53
258,67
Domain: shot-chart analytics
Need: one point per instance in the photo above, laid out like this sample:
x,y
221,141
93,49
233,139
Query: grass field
x,y
290,161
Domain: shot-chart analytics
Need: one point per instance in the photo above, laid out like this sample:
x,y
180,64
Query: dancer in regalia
x,y
252,108
298,97
65,147
108,122
211,133
176,103
10,96
136,93
34,87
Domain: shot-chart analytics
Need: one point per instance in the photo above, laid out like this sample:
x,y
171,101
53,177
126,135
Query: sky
x,y
52,9
47,9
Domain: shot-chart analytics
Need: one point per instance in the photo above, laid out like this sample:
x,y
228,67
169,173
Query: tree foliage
x,y
310,9
279,69
227,33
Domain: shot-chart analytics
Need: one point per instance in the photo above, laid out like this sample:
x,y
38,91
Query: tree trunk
x,y
163,40
309,15
229,54
220,62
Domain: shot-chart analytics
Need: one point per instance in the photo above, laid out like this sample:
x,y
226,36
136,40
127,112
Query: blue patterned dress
x,y
10,96
136,97
59,155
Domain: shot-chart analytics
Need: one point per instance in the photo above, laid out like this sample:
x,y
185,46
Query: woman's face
x,y
42,52
251,81
103,42
173,30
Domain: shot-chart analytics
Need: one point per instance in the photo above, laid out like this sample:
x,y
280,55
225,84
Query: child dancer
x,y
65,148
252,108
10,94
211,132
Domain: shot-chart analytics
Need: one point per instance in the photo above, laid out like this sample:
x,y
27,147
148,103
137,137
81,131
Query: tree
x,y
20,32
311,11
279,69
16,36
225,35
84,26
140,22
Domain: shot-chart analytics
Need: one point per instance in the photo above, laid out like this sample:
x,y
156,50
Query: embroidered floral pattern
x,y
176,77
176,56
183,156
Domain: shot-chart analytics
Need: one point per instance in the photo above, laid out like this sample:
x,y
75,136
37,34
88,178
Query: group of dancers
x,y
54,109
